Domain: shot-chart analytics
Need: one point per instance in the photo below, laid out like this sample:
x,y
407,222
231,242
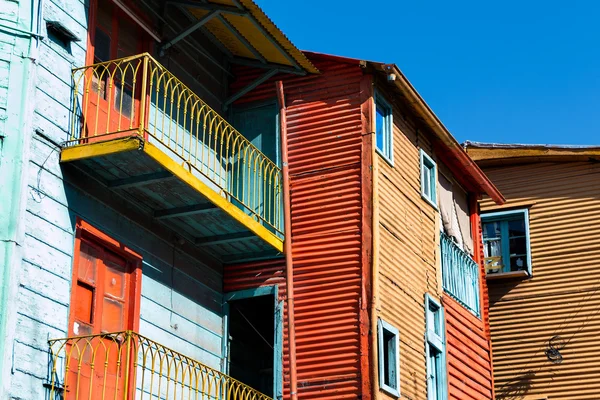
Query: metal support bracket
x,y
263,78
195,26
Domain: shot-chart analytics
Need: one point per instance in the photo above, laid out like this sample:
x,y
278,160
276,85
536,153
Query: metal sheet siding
x,y
408,259
324,133
562,297
468,355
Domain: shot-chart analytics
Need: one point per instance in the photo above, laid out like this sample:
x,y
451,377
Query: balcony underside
x,y
163,188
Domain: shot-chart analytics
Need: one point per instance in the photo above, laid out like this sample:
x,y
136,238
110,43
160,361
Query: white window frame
x,y
388,129
438,341
431,198
502,215
381,327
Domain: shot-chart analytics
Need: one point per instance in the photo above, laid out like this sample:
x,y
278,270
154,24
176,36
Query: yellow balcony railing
x,y
138,96
126,365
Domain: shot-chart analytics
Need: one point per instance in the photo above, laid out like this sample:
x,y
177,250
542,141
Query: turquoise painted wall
x,y
181,303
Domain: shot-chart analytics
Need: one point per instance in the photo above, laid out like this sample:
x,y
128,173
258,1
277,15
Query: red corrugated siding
x,y
469,365
325,144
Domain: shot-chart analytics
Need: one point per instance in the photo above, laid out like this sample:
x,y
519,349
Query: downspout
x,y
483,289
287,244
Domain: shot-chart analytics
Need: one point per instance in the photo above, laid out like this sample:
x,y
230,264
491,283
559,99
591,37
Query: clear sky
x,y
506,71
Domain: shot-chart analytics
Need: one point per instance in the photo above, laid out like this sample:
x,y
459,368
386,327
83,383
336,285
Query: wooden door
x,y
101,305
112,101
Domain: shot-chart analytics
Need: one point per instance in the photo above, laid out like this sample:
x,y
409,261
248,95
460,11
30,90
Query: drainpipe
x,y
287,244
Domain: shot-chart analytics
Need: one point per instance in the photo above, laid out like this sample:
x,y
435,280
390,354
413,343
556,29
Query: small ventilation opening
x,y
61,35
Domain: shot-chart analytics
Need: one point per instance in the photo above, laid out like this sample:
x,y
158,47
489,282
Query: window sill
x,y
387,159
431,203
508,275
390,391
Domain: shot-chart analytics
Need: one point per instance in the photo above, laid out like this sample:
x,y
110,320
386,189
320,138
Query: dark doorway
x,y
251,342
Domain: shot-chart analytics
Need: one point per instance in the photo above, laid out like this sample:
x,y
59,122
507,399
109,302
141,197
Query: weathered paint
x,y
561,298
18,54
325,147
181,297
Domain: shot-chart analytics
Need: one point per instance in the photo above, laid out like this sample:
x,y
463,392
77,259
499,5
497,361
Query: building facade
x,y
153,152
543,303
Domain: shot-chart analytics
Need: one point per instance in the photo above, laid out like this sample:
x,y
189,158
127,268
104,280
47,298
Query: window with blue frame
x,y
384,128
428,179
506,241
435,350
389,358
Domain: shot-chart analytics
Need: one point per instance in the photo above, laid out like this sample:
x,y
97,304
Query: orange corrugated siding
x,y
562,297
324,134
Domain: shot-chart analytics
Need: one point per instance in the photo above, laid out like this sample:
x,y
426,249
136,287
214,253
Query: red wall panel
x,y
325,146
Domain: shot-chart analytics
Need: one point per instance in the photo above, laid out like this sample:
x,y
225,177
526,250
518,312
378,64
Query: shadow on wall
x,y
517,388
497,290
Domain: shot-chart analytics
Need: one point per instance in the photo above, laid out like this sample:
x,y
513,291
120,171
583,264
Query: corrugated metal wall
x,y
562,298
408,251
324,132
468,355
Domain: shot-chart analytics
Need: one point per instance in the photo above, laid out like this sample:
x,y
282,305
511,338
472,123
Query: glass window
x,y
384,128
435,349
428,179
389,356
506,241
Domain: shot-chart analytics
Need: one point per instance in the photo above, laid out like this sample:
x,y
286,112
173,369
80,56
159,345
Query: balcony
x,y
144,135
460,275
127,365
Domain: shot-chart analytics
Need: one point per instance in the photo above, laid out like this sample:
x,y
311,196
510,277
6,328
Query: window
x,y
435,350
389,359
506,242
428,179
384,128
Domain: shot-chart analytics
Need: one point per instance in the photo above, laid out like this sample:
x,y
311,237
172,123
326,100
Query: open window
x,y
506,242
255,339
389,358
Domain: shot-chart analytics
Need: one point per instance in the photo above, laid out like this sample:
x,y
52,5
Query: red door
x,y
112,95
102,304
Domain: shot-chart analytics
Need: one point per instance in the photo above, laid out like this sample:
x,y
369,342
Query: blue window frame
x,y
435,349
384,128
428,179
389,358
506,241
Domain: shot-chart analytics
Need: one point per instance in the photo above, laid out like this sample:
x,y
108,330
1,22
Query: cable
x,y
255,330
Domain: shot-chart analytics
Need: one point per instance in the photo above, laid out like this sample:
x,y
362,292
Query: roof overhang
x,y
494,154
448,148
244,33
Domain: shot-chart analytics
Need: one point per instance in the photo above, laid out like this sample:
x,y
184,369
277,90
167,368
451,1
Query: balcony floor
x,y
170,193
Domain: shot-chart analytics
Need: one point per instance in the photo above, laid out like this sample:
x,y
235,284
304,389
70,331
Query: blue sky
x,y
513,71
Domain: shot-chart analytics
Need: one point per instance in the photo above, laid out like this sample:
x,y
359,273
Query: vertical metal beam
x,y
251,86
189,30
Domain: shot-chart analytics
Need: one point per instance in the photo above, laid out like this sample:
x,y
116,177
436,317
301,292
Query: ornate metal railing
x,y
460,275
138,96
126,365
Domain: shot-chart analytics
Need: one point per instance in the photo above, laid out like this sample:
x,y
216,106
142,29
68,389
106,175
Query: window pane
x,y
101,46
112,316
83,307
114,283
389,359
516,227
491,230
380,128
426,181
518,263
86,270
518,246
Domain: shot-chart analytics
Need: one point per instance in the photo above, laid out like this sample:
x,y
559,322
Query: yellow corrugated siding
x,y
408,261
561,298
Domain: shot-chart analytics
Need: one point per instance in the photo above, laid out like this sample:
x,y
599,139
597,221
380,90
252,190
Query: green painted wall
x,y
17,57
